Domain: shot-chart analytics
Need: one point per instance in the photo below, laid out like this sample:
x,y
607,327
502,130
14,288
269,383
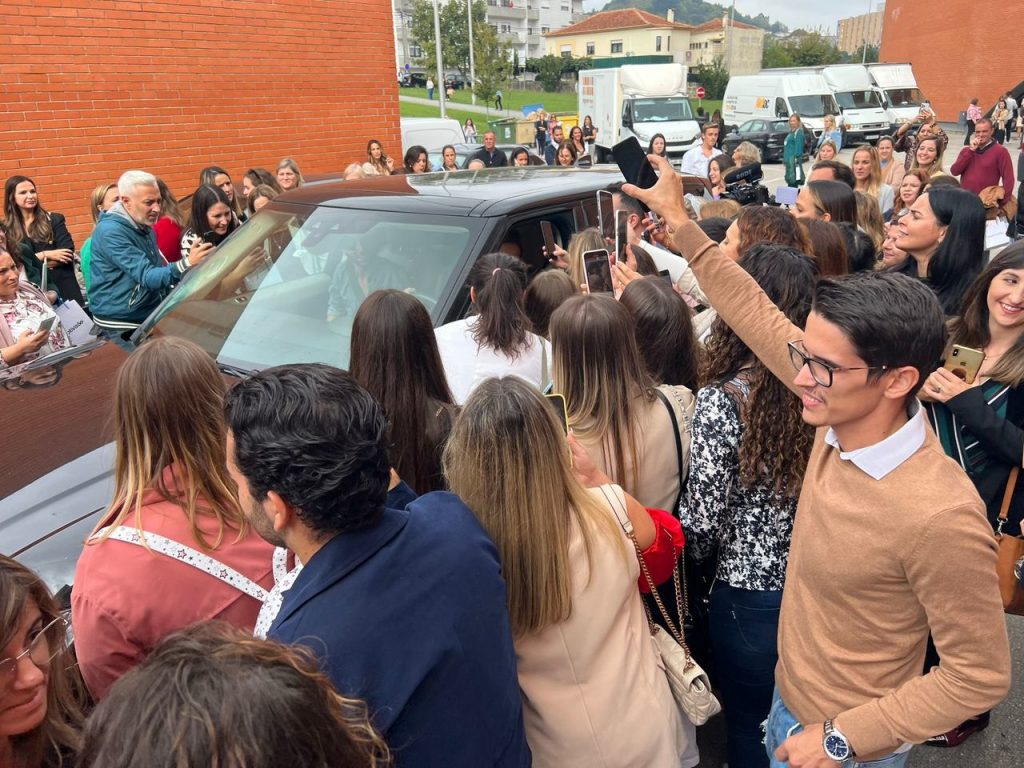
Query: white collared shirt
x,y
880,459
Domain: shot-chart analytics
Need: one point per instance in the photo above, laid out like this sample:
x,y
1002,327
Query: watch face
x,y
836,747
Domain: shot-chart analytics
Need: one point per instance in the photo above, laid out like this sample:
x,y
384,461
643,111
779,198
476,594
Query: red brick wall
x,y
91,88
960,49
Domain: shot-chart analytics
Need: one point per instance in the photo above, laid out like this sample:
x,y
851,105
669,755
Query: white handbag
x,y
688,682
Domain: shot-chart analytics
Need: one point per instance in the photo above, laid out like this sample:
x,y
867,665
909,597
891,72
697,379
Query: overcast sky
x,y
792,13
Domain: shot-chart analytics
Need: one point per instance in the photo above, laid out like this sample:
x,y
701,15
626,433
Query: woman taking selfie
x,y
750,448
38,237
496,341
944,233
392,333
174,547
212,219
593,689
40,711
622,420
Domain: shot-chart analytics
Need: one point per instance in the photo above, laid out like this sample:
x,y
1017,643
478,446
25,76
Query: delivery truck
x,y
776,96
864,119
896,86
639,100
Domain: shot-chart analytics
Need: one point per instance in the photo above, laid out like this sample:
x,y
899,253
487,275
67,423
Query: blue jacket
x,y
411,616
129,275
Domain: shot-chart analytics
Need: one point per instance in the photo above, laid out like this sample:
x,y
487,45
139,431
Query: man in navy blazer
x,y
406,609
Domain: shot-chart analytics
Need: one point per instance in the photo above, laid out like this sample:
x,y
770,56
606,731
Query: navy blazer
x,y
411,616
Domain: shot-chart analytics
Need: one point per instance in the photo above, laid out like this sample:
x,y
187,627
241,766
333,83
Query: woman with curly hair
x,y
229,699
749,452
39,703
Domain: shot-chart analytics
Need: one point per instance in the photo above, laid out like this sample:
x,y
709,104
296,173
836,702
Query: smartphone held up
x,y
597,271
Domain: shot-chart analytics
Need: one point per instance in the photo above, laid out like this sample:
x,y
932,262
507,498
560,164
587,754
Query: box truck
x,y
896,86
864,119
639,100
775,96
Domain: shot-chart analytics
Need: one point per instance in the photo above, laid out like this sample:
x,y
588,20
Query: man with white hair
x,y
130,276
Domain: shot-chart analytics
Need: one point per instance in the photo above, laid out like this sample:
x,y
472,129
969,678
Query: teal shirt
x,y
793,149
86,256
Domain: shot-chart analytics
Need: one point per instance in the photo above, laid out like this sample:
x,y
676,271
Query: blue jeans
x,y
781,725
744,625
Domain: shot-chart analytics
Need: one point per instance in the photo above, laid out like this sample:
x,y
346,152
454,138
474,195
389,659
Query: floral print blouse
x,y
750,527
24,313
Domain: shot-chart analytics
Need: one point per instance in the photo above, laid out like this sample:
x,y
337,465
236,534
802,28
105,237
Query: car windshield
x,y
286,286
858,99
814,105
665,110
904,97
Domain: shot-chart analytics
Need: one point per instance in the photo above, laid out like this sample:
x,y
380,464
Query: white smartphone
x,y
47,324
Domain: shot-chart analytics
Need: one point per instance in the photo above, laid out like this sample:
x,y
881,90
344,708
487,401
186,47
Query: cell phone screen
x,y
665,275
549,238
598,271
606,214
632,161
557,403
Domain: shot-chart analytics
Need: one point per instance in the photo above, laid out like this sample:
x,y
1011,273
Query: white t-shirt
x,y
466,363
695,163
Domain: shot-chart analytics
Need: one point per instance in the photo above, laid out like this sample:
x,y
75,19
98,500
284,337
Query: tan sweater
x,y
873,566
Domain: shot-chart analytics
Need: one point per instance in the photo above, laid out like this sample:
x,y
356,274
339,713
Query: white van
x,y
897,87
430,132
772,95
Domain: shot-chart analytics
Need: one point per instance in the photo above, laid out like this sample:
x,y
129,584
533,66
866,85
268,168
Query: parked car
x,y
769,136
423,233
414,80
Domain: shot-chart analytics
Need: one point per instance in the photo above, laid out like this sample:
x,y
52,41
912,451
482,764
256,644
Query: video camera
x,y
743,185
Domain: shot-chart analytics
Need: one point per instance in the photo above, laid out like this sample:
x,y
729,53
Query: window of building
x,y
590,49
565,6
566,51
415,51
657,43
668,43
545,30
616,46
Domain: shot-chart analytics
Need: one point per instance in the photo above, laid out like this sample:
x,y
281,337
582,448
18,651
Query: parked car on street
x,y
769,136
282,289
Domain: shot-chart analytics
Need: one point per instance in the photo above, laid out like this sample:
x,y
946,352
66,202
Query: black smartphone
x,y
598,271
209,236
632,161
557,402
606,214
665,275
621,236
549,238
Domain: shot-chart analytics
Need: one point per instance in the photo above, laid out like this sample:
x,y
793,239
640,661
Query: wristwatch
x,y
837,747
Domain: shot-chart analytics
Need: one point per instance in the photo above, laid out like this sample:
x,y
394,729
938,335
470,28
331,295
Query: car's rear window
x,y
285,287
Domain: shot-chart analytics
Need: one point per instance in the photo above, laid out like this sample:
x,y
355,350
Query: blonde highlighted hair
x,y
169,415
873,183
508,460
588,239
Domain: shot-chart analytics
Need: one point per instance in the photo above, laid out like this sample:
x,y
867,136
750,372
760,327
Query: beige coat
x,y
594,693
657,482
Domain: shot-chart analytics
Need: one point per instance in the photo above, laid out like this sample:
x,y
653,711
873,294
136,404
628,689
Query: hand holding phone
x,y
597,271
632,161
549,238
964,363
47,324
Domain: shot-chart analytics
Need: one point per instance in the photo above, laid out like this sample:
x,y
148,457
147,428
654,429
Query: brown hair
x,y
597,367
498,281
263,190
971,328
169,205
58,733
544,295
873,183
392,333
41,229
828,247
869,218
168,414
213,695
663,328
935,167
509,461
764,224
381,166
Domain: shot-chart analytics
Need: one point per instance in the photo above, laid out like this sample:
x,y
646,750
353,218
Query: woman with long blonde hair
x,y
571,577
867,174
622,420
174,547
588,239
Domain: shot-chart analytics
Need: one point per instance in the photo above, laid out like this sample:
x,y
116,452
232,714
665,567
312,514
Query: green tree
x,y
860,55
454,33
814,50
549,71
493,63
714,77
775,54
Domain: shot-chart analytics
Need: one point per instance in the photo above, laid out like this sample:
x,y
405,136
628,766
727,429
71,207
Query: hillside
x,y
694,12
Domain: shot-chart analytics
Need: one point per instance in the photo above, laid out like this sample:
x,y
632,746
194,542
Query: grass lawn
x,y
513,100
422,110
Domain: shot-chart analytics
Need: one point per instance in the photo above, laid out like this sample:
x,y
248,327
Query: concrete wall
x,y
91,88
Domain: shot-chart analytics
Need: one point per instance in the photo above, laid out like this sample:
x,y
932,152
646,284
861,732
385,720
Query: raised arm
x,y
735,295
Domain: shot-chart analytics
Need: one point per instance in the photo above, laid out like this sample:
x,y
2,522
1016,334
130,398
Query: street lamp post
x,y
472,68
440,61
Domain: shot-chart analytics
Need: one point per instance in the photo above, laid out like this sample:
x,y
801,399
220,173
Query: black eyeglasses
x,y
821,371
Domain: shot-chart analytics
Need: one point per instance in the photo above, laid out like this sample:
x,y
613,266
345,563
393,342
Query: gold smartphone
x,y
557,403
964,362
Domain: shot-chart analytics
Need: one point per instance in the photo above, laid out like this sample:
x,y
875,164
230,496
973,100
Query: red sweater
x,y
978,170
168,238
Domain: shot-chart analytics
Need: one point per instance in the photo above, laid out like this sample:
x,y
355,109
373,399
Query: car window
x,y
746,127
757,125
286,286
781,125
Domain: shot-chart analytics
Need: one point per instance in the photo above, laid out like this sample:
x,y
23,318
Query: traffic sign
x,y
700,92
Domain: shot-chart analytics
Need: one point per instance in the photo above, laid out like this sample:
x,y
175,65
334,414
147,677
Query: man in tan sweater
x,y
890,541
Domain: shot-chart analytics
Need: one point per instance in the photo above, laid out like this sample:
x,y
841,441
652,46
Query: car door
x,y
758,134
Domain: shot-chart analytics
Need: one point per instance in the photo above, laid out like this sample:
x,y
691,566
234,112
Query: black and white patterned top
x,y
751,527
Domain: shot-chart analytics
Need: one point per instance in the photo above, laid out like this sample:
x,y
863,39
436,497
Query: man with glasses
x,y
890,541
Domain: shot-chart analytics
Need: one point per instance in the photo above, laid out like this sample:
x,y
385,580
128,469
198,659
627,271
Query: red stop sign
x,y
700,93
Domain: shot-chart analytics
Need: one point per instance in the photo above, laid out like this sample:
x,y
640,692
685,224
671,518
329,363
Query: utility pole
x,y
864,46
472,67
440,62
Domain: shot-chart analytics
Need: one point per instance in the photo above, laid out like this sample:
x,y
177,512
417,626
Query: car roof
x,y
487,192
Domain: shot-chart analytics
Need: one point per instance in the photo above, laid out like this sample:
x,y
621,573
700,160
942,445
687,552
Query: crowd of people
x,y
459,565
